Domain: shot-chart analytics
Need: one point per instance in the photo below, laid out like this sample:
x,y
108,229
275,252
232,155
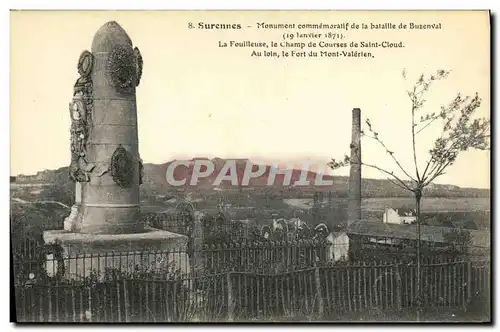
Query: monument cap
x,y
108,36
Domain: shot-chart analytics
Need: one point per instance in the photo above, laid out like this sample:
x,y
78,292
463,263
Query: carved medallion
x,y
85,63
122,167
122,67
138,57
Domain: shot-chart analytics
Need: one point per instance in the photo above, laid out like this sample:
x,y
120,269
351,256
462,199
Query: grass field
x,y
250,206
430,204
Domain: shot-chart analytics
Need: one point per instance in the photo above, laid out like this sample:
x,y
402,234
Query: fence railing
x,y
323,292
272,256
173,221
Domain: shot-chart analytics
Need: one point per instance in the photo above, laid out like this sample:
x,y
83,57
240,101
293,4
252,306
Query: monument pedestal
x,y
152,250
104,229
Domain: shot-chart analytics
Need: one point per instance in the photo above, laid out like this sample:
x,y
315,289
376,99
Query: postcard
x,y
250,166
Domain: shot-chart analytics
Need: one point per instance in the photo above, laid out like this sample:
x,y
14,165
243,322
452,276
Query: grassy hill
x,y
155,183
257,201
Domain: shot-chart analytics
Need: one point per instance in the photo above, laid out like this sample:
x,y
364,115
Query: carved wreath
x,y
122,167
138,57
122,67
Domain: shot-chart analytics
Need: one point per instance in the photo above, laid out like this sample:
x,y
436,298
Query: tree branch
x,y
334,164
397,184
413,108
425,170
426,125
391,153
440,165
455,104
391,174
438,172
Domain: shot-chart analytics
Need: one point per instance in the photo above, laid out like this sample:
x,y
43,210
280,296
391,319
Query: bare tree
x,y
460,132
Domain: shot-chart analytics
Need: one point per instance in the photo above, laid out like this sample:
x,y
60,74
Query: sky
x,y
200,100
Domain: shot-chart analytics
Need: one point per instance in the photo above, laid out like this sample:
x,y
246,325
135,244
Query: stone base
x,y
153,250
101,220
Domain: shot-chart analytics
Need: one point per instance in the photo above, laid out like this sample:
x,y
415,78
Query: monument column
x,y
105,164
108,158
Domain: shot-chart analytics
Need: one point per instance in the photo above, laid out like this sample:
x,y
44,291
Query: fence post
x,y
230,306
49,297
321,308
398,286
469,281
126,301
117,285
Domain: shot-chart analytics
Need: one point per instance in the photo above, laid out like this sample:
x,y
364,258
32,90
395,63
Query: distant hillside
x,y
155,183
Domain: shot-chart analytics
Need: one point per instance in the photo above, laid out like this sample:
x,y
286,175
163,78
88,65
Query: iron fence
x,y
271,256
325,291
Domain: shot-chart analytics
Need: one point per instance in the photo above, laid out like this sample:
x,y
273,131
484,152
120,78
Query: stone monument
x,y
105,162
